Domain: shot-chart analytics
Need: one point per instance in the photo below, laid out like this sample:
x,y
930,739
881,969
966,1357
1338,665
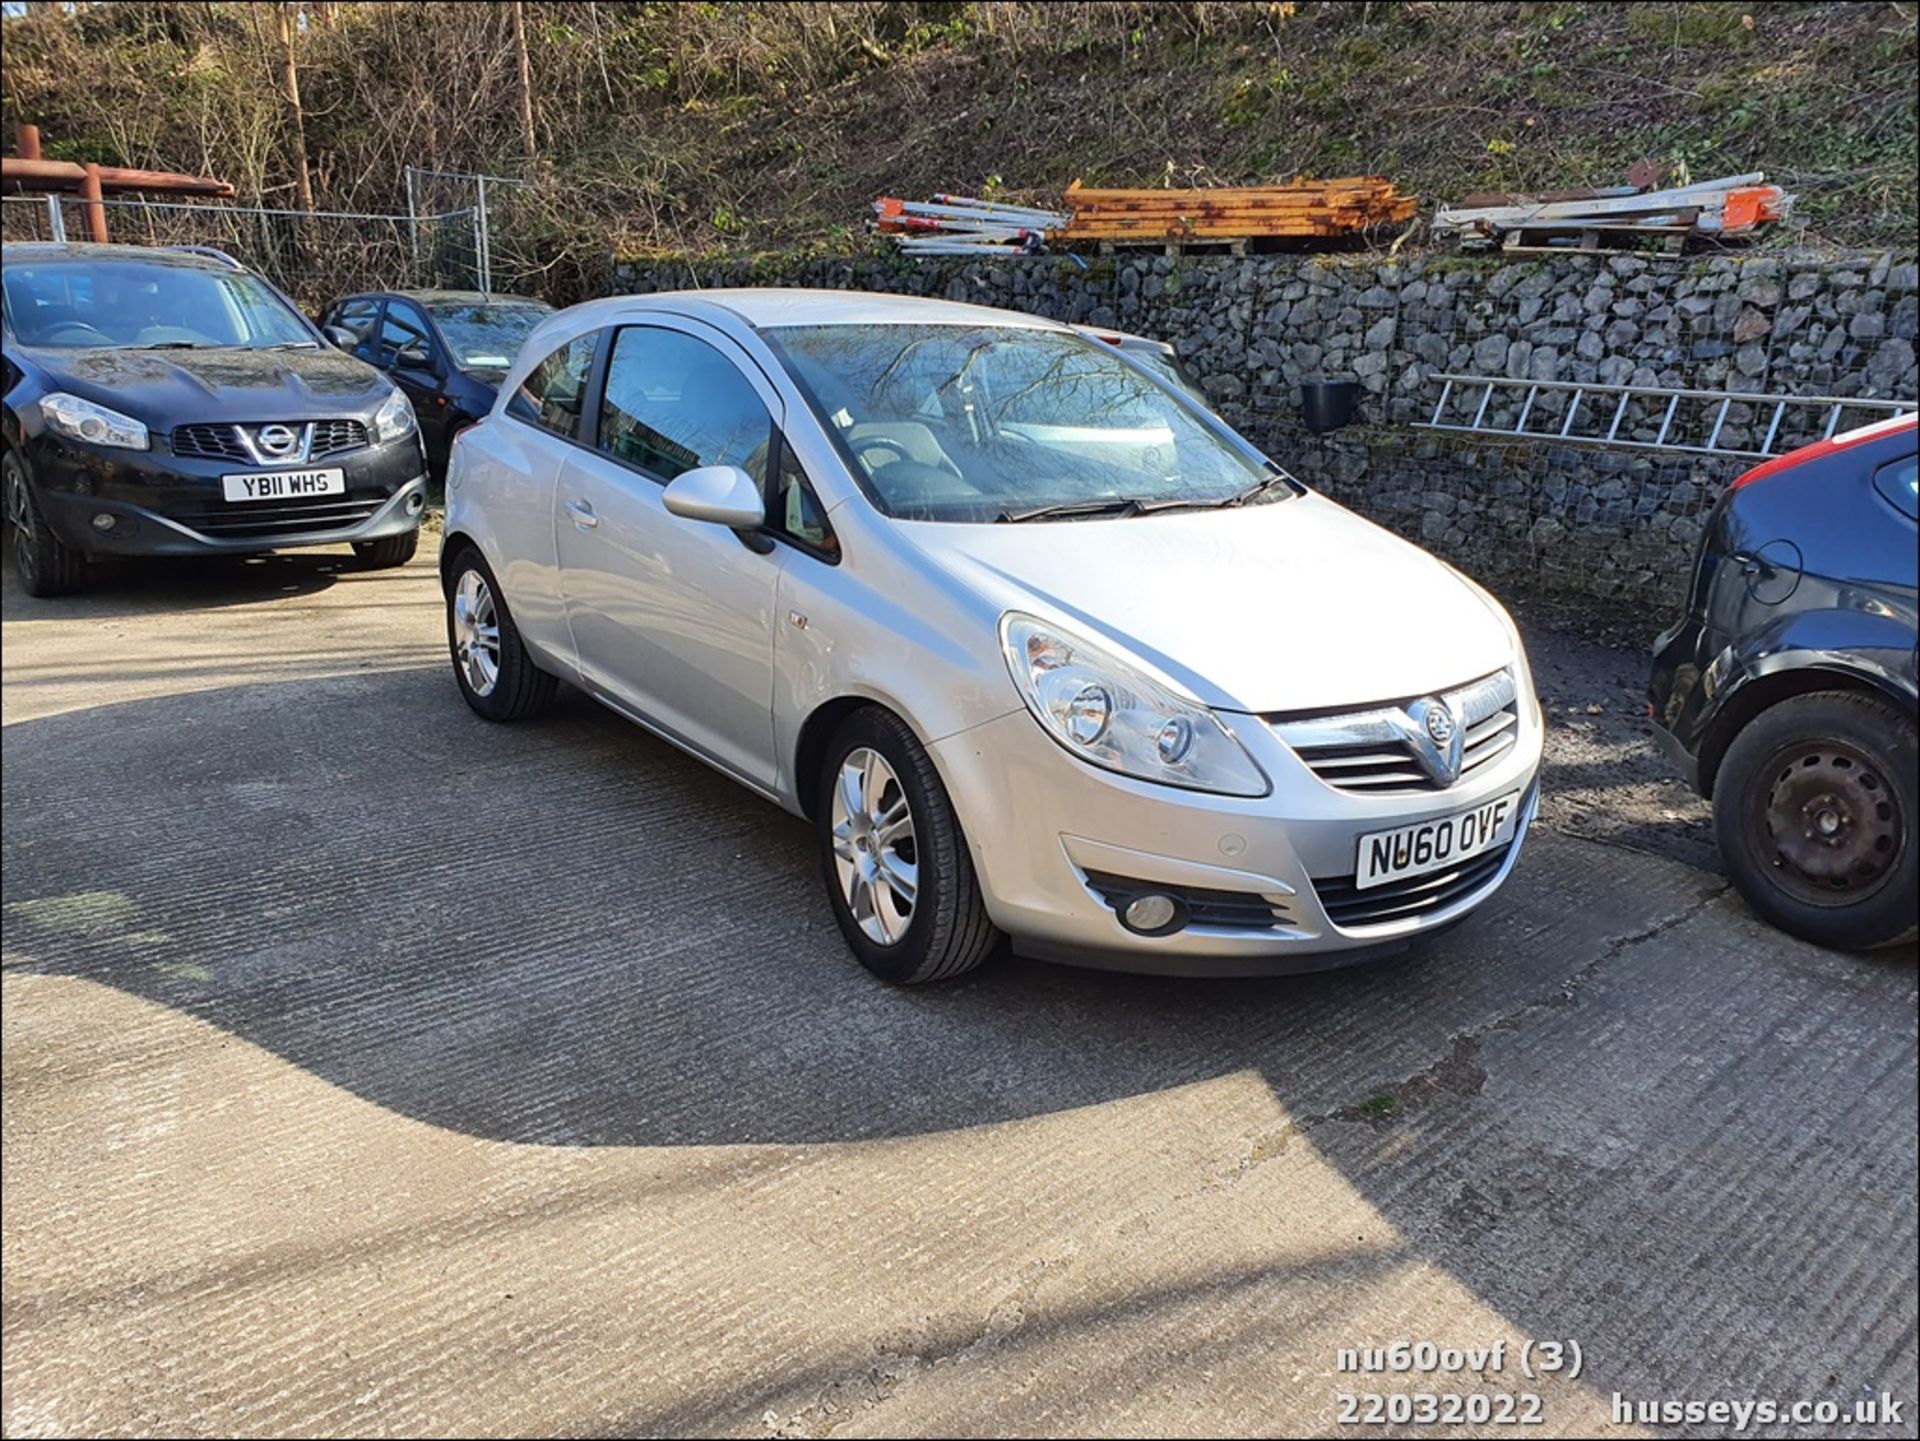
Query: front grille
x,y
1348,907
264,522
336,437
1233,910
209,442
1368,751
224,441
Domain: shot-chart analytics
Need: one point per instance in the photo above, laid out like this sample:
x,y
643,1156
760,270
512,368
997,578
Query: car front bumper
x,y
160,504
1050,834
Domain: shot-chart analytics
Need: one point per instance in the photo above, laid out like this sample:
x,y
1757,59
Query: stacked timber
x,y
1304,210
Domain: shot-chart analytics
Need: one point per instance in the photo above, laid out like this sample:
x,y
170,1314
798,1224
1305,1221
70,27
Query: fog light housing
x,y
416,503
103,521
1153,914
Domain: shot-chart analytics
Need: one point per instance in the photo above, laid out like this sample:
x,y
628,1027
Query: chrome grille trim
x,y
1367,750
229,440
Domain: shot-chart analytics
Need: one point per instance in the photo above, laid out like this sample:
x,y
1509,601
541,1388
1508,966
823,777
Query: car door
x,y
673,618
410,353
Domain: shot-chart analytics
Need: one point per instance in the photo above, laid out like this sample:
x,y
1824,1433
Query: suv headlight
x,y
394,418
79,419
1115,715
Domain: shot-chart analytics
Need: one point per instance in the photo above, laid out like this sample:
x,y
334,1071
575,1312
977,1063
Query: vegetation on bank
x,y
712,127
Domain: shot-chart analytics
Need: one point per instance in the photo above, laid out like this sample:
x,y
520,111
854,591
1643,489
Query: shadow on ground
x,y
566,933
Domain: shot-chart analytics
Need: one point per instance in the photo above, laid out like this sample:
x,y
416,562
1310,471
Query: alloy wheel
x,y
476,633
874,848
20,517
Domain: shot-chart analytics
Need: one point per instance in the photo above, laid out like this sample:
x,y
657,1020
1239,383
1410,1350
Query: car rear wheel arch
x,y
1763,692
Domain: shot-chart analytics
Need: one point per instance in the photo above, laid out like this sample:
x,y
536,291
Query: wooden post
x,y
95,211
27,141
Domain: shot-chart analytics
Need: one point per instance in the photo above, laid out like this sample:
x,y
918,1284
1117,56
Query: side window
x,y
404,326
796,511
672,403
356,315
1899,482
550,395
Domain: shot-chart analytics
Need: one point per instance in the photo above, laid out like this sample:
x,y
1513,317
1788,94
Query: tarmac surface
x,y
371,1069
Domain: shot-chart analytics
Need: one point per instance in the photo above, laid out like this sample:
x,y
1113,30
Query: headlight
x,y
83,420
394,418
1113,714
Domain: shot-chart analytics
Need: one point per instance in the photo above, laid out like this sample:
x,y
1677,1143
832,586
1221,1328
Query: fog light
x,y
416,503
1149,913
103,521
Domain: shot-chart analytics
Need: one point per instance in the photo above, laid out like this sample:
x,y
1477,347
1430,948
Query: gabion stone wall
x,y
1619,523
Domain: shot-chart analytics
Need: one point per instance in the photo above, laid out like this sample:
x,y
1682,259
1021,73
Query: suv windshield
x,y
982,423
71,305
486,336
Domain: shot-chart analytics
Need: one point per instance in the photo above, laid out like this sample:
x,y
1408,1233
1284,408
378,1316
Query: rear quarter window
x,y
1899,482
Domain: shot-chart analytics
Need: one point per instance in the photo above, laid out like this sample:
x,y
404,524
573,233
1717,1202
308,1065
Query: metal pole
x,y
413,225
473,218
486,237
56,222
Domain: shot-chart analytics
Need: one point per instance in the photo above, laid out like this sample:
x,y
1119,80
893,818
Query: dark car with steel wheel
x,y
1788,693
166,403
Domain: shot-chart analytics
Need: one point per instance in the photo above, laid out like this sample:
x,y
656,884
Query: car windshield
x,y
486,335
985,423
72,305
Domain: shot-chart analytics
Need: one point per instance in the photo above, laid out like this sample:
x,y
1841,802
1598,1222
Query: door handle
x,y
582,513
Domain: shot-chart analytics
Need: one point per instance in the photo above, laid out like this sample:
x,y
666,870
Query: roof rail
x,y
211,252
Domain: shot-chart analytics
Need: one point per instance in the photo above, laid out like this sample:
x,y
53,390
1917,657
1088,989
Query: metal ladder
x,y
1682,415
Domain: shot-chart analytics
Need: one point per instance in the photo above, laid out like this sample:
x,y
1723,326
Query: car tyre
x,y
1813,808
387,552
887,829
495,673
46,565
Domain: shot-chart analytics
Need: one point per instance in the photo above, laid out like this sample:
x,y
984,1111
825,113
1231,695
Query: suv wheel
x,y
1813,806
46,566
388,552
897,869
496,675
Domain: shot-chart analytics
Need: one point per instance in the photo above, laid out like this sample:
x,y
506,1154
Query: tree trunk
x,y
302,176
526,79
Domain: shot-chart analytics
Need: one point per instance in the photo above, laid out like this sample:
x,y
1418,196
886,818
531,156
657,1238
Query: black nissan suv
x,y
1788,692
165,402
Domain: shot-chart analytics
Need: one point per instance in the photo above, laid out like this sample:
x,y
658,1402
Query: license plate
x,y
1431,845
284,484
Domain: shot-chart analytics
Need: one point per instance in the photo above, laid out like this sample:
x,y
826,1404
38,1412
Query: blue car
x,y
1788,694
447,349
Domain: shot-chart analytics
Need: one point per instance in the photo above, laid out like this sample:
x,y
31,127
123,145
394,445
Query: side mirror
x,y
719,494
413,357
340,337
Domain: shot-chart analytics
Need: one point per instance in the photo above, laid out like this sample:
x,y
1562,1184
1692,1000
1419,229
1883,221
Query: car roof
x,y
774,307
17,252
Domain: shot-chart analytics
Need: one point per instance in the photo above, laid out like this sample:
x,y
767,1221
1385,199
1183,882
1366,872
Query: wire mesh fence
x,y
314,256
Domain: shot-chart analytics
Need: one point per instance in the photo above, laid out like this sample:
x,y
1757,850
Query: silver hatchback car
x,y
1040,646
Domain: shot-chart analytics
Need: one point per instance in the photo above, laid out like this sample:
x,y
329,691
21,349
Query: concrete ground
x,y
369,1069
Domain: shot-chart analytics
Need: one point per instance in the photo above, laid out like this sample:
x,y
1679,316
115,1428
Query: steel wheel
x,y
874,848
20,517
476,634
1832,822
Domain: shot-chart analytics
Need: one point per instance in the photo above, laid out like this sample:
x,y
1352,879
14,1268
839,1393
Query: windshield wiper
x,y
174,345
292,345
1076,508
1260,489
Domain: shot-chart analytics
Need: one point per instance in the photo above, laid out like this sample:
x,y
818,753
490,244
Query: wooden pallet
x,y
1593,239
